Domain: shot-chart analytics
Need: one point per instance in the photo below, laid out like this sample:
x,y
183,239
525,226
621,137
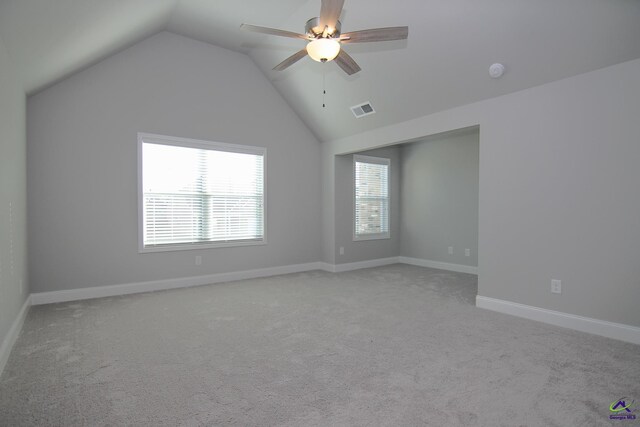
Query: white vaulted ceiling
x,y
443,64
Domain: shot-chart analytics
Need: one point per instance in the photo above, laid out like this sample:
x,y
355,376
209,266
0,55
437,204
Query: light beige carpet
x,y
390,346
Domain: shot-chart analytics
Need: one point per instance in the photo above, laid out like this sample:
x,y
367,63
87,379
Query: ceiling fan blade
x,y
347,63
273,31
376,35
291,60
330,13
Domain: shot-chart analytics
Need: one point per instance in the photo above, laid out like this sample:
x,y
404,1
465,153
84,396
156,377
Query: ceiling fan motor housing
x,y
313,29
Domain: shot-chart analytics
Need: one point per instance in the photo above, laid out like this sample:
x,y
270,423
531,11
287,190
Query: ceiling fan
x,y
325,39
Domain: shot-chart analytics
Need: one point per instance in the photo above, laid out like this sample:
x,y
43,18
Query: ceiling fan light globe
x,y
323,50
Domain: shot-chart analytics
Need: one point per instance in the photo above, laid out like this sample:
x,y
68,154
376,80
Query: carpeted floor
x,y
390,346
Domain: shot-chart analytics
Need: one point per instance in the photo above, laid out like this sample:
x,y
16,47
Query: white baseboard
x,y
440,265
12,335
158,285
325,266
184,282
339,268
617,331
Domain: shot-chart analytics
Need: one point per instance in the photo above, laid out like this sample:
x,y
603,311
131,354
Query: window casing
x,y
196,194
371,197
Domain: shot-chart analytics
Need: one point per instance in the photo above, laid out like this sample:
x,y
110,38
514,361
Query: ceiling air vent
x,y
362,110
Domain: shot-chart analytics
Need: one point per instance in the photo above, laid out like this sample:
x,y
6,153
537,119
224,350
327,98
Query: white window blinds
x,y
197,192
371,197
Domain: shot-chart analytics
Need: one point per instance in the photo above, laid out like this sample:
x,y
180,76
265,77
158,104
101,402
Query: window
x,y
195,194
371,197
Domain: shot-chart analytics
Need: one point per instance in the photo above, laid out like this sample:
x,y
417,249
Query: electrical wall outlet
x,y
450,250
198,260
556,286
467,252
341,250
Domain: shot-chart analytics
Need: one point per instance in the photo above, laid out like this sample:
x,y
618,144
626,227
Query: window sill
x,y
365,237
199,246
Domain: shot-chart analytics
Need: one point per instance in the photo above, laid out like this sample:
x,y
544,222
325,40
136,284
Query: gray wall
x,y
558,190
559,196
82,163
344,188
439,198
13,234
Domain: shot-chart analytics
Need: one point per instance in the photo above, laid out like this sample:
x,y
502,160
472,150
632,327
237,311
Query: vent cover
x,y
362,110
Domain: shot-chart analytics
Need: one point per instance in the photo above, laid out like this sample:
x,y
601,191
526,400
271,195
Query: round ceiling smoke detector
x,y
496,70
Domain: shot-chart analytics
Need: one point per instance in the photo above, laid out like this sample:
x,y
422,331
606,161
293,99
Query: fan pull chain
x,y
324,90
